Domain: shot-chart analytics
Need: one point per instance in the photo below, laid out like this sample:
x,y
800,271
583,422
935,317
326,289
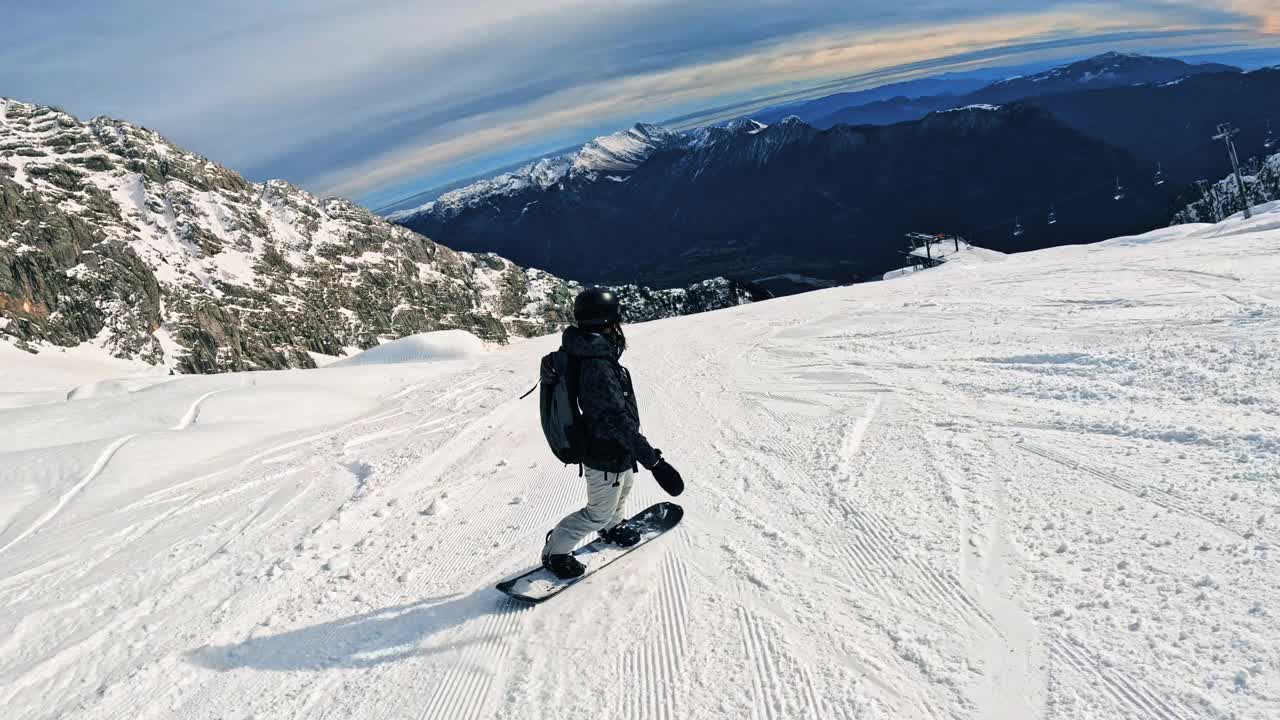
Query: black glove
x,y
667,477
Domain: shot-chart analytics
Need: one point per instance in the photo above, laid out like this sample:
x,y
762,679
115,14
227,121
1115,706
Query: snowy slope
x,y
623,151
1046,487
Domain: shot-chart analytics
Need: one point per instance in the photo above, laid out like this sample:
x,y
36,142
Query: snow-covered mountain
x,y
537,175
1045,487
1107,70
110,234
624,151
754,201
758,201
611,156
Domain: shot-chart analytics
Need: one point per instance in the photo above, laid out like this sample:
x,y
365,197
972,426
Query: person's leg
x,y
626,478
602,502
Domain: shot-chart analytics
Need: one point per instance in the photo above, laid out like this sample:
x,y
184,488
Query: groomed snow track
x,y
1046,487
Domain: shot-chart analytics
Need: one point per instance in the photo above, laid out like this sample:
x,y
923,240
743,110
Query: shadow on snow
x,y
361,641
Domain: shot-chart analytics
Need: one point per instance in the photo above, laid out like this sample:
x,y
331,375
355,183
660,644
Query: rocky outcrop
x,y
1222,199
640,304
110,234
66,283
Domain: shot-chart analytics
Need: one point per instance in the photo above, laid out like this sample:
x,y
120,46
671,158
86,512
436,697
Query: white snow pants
x,y
606,495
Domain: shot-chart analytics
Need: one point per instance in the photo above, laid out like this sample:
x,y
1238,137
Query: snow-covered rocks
x,y
154,253
1222,199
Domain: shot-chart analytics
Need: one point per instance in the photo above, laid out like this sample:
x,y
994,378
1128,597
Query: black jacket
x,y
608,404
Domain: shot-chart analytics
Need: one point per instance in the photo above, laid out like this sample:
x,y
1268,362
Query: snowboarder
x,y
614,444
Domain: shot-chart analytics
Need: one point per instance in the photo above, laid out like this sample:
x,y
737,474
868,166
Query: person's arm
x,y
600,394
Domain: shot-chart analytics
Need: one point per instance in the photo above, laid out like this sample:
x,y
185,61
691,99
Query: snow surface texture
x,y
56,375
1045,487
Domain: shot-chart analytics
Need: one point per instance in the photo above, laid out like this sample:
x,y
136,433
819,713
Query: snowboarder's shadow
x,y
360,641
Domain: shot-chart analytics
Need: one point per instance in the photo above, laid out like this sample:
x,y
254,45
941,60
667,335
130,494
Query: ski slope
x,y
1042,487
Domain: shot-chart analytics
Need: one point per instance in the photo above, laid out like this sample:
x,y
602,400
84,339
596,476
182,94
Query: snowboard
x,y
539,585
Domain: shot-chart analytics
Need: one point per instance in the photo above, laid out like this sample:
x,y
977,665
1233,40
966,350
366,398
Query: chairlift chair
x,y
1053,216
1159,175
1017,228
1119,190
1271,140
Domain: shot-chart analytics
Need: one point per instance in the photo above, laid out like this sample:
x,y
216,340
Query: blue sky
x,y
376,99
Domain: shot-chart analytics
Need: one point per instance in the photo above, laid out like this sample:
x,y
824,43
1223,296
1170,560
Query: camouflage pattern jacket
x,y
608,404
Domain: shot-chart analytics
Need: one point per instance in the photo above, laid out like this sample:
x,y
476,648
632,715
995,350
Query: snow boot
x,y
564,566
622,535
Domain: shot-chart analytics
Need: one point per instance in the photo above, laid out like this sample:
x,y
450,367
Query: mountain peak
x,y
745,125
623,151
618,153
1110,69
1114,55
651,130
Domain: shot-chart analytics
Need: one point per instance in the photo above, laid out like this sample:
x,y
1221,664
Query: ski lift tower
x,y
1225,133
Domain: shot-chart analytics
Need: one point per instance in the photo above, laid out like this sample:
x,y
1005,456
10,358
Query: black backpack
x,y
561,418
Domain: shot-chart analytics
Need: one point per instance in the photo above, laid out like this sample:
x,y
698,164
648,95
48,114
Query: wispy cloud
x,y
358,97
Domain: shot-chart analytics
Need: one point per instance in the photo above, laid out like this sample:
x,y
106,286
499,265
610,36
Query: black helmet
x,y
596,307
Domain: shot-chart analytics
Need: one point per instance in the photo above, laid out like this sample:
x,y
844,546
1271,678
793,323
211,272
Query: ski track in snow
x,y
193,413
1052,496
1153,495
1134,697
188,419
94,471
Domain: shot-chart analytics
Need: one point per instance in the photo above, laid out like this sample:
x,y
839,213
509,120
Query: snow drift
x,y
423,347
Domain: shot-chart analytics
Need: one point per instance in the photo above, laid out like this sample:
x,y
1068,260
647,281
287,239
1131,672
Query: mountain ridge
x,y
755,201
914,100
112,235
1146,126
1107,70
